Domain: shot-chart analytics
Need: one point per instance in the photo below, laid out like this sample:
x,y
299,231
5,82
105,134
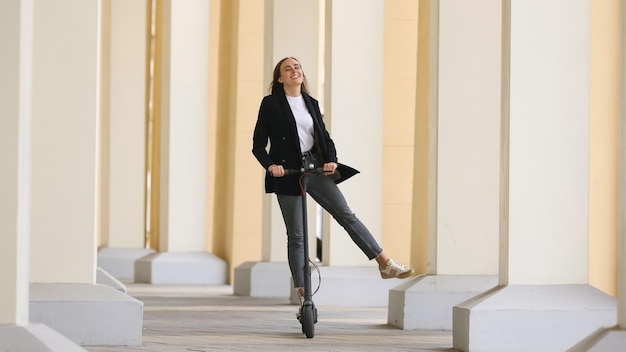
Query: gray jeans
x,y
326,193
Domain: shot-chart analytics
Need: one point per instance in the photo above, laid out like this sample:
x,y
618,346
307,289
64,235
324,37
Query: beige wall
x,y
604,110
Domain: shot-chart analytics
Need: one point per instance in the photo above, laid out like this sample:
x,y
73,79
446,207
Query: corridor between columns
x,y
487,135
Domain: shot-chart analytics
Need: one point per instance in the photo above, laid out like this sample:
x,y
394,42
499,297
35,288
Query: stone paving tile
x,y
202,318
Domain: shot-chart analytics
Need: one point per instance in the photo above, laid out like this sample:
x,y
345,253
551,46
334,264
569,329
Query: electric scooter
x,y
308,312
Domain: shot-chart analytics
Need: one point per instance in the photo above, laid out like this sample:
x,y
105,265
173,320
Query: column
x,y
462,161
400,69
183,256
281,41
544,301
123,137
353,102
15,107
614,338
65,179
621,269
271,276
353,113
15,100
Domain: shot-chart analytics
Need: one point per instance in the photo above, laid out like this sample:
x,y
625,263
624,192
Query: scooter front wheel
x,y
308,320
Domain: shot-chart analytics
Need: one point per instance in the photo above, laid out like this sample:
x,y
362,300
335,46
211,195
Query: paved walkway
x,y
193,318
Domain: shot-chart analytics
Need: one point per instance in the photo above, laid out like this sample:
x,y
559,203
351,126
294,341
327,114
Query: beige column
x,y
463,260
16,41
613,338
544,301
353,113
271,276
184,126
400,35
64,181
15,101
621,269
620,339
282,41
604,146
238,212
123,136
353,109
64,142
184,152
126,120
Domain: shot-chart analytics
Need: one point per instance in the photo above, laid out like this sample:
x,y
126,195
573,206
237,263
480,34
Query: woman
x,y
292,122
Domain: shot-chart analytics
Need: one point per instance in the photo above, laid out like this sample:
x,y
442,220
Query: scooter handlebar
x,y
317,170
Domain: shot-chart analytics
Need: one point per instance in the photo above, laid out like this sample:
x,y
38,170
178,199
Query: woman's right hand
x,y
276,170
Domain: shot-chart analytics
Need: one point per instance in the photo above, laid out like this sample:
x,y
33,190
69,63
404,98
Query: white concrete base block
x,y
531,318
426,302
34,338
605,340
120,262
104,278
350,286
181,268
263,279
88,314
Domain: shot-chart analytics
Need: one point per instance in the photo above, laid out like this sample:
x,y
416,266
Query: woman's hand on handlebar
x,y
329,168
279,171
276,170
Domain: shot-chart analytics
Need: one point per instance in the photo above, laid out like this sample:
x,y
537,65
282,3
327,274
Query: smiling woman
x,y
290,119
288,72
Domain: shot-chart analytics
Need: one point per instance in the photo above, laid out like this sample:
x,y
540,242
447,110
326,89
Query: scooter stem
x,y
307,268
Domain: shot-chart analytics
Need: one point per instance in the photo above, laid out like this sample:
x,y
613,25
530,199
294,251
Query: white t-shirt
x,y
304,122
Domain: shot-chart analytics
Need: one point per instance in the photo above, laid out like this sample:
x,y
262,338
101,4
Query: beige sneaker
x,y
394,270
301,296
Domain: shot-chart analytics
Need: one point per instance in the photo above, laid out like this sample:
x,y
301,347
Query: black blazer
x,y
277,124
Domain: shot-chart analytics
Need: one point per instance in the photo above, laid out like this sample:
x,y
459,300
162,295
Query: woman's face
x,y
291,73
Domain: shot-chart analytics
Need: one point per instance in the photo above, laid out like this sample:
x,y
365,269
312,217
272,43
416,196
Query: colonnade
x,y
475,126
